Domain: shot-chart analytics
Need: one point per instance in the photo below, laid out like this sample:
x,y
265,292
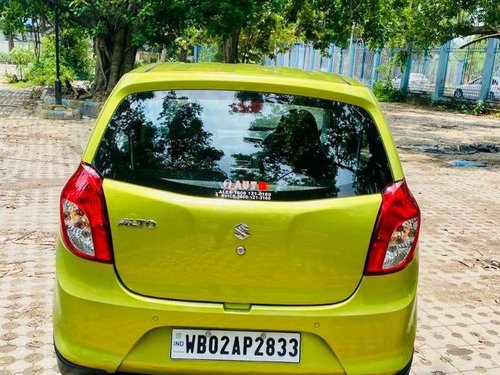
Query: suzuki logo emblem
x,y
241,231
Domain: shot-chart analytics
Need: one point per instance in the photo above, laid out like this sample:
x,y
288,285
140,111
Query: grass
x,y
477,108
20,85
495,113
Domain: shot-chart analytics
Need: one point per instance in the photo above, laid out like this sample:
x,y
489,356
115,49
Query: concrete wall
x,y
4,44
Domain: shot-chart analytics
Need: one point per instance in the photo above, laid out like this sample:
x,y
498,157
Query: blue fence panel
x,y
495,82
446,72
423,71
487,91
465,68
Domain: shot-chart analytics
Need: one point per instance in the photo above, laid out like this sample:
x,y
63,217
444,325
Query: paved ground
x,y
459,292
12,99
459,313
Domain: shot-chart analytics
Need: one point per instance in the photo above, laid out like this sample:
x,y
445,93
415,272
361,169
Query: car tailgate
x,y
297,253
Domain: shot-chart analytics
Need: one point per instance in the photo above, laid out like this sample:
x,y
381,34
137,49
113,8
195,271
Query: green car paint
x,y
186,272
99,323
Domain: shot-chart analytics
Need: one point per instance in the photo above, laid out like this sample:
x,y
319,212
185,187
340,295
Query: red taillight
x,y
396,233
84,219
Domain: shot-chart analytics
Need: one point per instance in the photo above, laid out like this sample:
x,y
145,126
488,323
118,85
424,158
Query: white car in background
x,y
418,82
471,89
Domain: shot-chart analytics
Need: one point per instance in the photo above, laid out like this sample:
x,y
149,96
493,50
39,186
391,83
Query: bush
x,y
385,91
75,59
43,72
76,52
479,108
22,58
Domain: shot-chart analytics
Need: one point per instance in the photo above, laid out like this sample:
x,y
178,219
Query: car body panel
x,y
98,323
191,253
365,325
471,89
417,82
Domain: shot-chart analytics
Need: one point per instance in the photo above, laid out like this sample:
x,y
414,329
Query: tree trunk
x,y
115,56
163,56
481,30
183,55
231,48
129,60
36,37
101,74
11,41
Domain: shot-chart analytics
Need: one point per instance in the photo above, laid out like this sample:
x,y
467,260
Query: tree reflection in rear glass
x,y
243,145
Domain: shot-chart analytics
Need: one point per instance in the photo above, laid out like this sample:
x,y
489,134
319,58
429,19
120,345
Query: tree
x,y
253,22
11,20
395,23
120,27
14,16
21,58
426,23
245,30
322,22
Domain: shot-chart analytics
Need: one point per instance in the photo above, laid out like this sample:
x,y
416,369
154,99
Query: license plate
x,y
250,346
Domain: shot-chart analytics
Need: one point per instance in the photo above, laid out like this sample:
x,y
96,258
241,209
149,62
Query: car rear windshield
x,y
243,145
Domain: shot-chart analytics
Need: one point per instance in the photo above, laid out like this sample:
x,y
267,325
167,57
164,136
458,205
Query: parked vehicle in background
x,y
471,89
237,219
418,82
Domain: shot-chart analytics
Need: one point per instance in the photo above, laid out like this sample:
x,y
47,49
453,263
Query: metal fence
x,y
471,73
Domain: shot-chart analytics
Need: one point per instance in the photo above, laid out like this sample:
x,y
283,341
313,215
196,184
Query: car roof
x,y
235,70
481,77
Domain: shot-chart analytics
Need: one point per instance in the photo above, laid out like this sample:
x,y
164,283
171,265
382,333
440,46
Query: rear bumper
x,y
100,325
68,368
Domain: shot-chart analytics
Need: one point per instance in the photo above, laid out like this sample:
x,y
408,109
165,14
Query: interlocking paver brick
x,y
12,100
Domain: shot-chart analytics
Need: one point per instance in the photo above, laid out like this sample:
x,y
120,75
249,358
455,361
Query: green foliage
x,y
245,30
15,13
43,72
476,108
11,17
208,52
76,61
19,85
76,52
241,30
395,23
150,21
5,58
22,58
385,91
272,33
479,108
424,23
120,27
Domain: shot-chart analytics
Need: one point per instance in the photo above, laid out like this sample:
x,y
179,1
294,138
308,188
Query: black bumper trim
x,y
68,368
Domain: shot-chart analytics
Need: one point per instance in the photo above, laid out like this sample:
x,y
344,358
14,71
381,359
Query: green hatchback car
x,y
237,219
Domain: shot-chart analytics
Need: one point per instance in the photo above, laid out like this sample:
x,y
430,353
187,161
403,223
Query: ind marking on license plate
x,y
235,345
